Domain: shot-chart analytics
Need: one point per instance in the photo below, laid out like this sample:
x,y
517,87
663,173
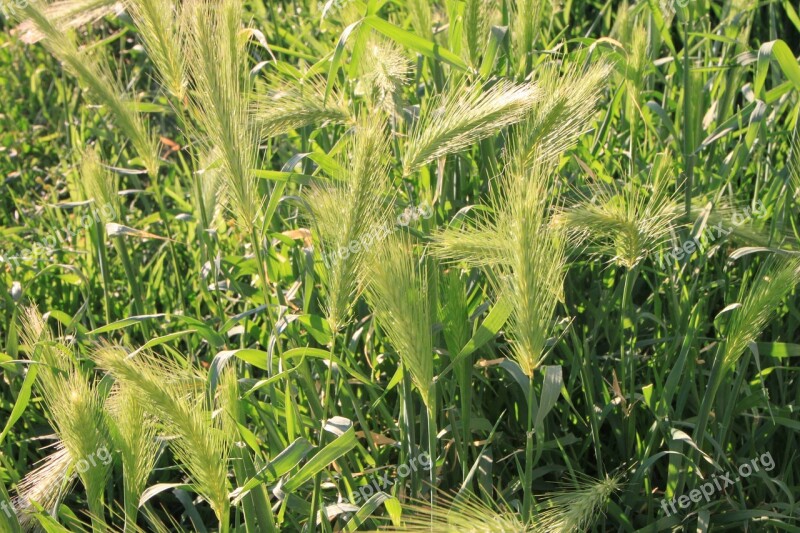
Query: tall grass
x,y
550,246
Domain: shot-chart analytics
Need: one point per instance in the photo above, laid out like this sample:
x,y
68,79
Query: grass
x,y
265,253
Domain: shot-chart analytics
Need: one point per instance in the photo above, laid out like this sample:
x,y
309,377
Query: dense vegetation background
x,y
286,266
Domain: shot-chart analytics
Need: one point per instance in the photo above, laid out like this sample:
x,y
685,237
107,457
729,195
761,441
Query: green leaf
x,y
369,507
23,398
280,465
323,354
124,323
414,42
486,331
780,52
551,389
340,446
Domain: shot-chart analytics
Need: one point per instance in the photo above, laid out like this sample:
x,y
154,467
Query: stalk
x,y
131,509
102,261
96,510
626,353
465,379
407,428
170,243
262,272
224,518
431,419
527,483
687,157
133,280
317,496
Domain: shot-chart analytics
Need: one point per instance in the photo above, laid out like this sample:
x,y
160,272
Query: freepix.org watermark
x,y
7,508
101,456
377,234
717,483
711,234
422,461
50,243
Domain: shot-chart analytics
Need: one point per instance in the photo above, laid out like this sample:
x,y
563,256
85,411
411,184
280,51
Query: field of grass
x,y
357,265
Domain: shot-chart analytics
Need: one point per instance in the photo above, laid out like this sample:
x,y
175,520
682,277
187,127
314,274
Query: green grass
x,y
268,253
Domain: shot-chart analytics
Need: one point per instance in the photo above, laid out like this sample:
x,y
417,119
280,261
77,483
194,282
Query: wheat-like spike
x,y
453,311
524,29
577,506
524,250
463,115
220,102
480,245
384,72
228,407
532,277
54,360
98,182
421,19
46,485
159,23
292,104
563,113
95,76
794,165
134,432
398,290
477,21
628,222
78,414
66,15
775,281
208,206
177,397
351,210
74,407
460,514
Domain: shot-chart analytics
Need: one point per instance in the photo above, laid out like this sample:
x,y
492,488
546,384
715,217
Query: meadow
x,y
379,265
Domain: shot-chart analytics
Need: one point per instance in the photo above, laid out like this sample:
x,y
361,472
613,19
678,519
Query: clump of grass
x,y
464,114
95,75
220,101
160,23
177,397
291,104
75,408
353,209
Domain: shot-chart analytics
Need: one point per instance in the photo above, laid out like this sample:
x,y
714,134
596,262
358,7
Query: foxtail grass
x,y
775,281
464,114
220,101
178,398
348,216
134,433
401,292
160,24
94,75
291,104
75,409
